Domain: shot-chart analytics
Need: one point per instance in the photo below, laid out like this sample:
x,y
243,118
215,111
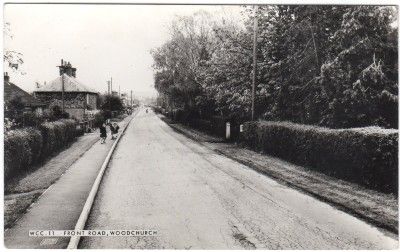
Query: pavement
x,y
59,207
198,199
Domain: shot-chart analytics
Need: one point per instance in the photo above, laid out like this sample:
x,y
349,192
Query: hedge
x,y
28,146
215,125
18,150
367,156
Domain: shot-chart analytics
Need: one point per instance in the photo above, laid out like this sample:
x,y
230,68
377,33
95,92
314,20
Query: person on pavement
x,y
116,128
112,130
103,133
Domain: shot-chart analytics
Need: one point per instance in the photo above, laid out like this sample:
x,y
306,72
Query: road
x,y
198,199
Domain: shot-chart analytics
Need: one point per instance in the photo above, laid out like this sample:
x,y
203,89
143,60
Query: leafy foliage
x,y
11,58
367,156
112,103
334,66
28,146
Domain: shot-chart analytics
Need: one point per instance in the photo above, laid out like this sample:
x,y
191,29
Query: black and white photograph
x,y
200,125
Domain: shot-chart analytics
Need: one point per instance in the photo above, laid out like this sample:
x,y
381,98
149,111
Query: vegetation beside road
x,y
31,165
111,108
25,188
27,147
367,156
332,66
22,190
379,209
329,66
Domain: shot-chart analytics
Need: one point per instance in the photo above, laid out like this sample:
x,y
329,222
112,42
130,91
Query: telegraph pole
x,y
111,86
62,92
253,86
62,71
108,85
131,99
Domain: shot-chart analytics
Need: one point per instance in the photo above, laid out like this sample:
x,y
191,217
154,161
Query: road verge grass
x,y
376,208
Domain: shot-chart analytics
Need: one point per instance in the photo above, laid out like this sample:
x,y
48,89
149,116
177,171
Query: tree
x,y
334,66
57,113
15,109
112,103
11,58
178,62
360,82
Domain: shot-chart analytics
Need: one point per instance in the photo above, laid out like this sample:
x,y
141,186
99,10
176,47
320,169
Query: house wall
x,y
75,103
91,100
77,113
72,100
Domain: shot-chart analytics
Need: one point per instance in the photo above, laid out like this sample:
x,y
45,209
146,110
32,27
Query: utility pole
x,y
111,87
119,90
131,99
62,71
108,84
253,86
62,93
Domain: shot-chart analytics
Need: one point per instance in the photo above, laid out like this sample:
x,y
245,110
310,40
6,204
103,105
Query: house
x,y
78,100
13,93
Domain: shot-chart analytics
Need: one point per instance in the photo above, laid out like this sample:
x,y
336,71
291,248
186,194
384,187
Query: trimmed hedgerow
x,y
367,156
35,141
49,135
57,135
26,147
22,148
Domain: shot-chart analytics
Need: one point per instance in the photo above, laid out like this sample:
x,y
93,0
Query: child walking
x,y
103,133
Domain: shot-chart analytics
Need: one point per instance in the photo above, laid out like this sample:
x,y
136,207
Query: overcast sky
x,y
99,40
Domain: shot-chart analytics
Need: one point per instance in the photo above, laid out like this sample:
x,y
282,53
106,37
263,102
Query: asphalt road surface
x,y
198,199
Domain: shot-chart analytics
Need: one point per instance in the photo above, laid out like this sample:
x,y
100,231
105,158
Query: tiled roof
x,y
71,84
12,91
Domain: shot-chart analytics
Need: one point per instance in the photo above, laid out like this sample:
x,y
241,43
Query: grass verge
x,y
376,208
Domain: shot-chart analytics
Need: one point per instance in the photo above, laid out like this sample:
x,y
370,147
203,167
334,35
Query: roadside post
x,y
228,131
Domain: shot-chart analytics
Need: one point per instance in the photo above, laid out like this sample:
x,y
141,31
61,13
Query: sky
x,y
101,41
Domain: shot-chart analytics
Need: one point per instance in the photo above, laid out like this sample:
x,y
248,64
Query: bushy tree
x,y
360,80
327,65
112,103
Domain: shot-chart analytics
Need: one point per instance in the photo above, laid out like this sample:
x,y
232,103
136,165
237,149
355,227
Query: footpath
x,y
59,206
378,209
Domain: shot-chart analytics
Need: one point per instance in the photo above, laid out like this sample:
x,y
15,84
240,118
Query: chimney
x,y
73,72
66,68
6,77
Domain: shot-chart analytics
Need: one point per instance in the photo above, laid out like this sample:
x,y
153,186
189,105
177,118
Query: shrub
x,y
48,134
27,146
112,103
57,113
367,156
70,130
157,109
203,125
216,125
31,119
99,119
22,149
35,141
57,135
80,130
